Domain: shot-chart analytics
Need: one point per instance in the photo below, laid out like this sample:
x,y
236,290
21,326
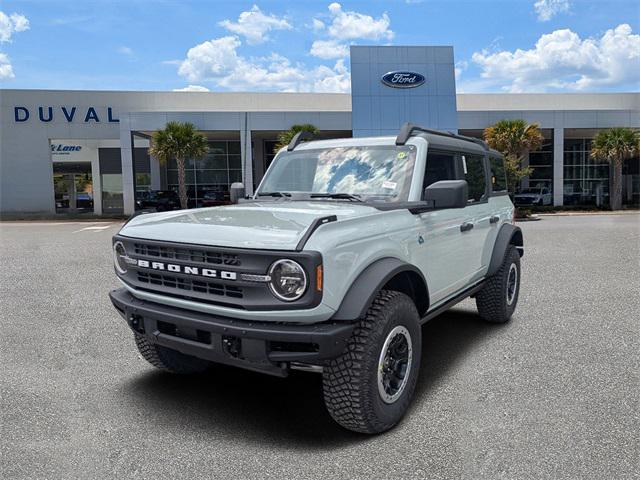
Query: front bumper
x,y
260,346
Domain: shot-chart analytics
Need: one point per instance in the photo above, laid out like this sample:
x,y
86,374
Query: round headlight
x,y
119,258
288,280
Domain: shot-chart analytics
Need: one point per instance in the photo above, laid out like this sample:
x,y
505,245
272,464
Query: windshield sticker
x,y
401,155
389,185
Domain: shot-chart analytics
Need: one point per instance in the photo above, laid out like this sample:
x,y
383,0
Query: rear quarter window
x,y
474,174
498,174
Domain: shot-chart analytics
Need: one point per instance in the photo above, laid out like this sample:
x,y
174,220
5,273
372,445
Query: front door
x,y
440,232
454,239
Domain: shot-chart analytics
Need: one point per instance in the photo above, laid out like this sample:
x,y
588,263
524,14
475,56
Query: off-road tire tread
x,y
167,359
490,301
344,378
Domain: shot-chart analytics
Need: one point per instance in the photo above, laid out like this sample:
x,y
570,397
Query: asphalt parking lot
x,y
554,394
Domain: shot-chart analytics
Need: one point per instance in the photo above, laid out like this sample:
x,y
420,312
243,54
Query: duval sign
x,y
401,79
67,113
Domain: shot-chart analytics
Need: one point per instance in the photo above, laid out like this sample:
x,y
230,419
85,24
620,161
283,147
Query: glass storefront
x,y
586,181
541,161
73,187
209,178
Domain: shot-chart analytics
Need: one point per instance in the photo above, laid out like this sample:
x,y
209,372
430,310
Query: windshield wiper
x,y
337,196
274,194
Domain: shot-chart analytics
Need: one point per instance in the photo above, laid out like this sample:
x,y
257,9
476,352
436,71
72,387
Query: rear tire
x,y
169,360
369,387
497,301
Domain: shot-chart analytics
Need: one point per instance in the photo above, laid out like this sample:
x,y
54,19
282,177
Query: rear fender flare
x,y
507,235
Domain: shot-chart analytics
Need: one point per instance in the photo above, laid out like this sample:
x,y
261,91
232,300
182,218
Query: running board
x,y
453,301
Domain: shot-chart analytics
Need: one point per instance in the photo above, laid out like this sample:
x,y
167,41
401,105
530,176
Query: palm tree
x,y
285,137
615,146
514,139
180,141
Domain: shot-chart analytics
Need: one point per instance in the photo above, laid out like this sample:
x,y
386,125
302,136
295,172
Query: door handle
x,y
494,219
466,226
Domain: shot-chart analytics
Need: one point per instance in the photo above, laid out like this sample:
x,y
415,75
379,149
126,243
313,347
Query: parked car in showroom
x,y
213,198
533,196
346,249
158,200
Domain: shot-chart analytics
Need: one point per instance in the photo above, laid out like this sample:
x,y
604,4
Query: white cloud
x,y
561,60
460,67
125,51
254,25
192,88
547,9
10,24
317,25
347,26
218,61
354,25
6,70
211,59
329,49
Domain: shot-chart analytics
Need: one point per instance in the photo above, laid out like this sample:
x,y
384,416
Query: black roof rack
x,y
299,137
408,129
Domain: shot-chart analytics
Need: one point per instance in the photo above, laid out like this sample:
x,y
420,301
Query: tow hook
x,y
136,322
231,346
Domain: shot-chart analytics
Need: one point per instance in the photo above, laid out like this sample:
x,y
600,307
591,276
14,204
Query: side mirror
x,y
236,192
447,194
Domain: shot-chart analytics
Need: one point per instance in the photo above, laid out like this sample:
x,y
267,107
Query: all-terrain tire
x,y
495,303
167,359
350,382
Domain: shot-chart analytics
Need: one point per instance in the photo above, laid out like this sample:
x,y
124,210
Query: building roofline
x,y
547,101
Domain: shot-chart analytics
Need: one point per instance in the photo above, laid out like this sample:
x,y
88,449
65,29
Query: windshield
x,y
373,172
530,190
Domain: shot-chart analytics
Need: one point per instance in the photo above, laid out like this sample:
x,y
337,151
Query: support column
x,y
558,167
524,183
156,179
126,155
246,154
96,181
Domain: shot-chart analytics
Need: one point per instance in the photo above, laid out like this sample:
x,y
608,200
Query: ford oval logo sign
x,y
403,79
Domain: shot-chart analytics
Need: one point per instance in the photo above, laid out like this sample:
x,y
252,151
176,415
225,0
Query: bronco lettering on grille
x,y
187,270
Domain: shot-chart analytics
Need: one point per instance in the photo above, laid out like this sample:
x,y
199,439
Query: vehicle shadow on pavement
x,y
234,404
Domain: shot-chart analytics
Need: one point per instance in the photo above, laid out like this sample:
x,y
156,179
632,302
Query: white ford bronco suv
x,y
347,247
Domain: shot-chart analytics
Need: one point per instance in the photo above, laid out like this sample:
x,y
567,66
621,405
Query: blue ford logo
x,y
403,79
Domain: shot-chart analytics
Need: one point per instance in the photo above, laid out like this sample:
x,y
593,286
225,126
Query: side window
x,y
440,166
474,174
498,174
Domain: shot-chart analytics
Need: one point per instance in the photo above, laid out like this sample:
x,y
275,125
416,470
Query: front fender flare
x,y
366,286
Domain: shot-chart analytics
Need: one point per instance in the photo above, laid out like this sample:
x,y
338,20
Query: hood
x,y
275,225
527,195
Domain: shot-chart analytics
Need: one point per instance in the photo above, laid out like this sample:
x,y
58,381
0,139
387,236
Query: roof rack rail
x,y
408,128
299,137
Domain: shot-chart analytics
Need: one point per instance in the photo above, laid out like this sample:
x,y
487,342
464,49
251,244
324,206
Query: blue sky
x,y
515,45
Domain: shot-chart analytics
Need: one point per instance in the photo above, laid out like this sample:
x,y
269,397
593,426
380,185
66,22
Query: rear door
x,y
475,227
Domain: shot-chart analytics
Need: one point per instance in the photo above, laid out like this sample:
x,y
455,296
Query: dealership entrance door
x,y
73,187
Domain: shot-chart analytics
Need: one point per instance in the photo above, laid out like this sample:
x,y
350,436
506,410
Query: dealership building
x,y
69,151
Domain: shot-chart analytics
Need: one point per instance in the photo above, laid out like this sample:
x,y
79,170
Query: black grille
x,y
189,285
187,254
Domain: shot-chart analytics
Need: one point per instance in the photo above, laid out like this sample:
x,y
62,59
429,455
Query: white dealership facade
x,y
87,150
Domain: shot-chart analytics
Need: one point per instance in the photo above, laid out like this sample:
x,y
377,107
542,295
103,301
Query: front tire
x,y
169,360
369,387
497,301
